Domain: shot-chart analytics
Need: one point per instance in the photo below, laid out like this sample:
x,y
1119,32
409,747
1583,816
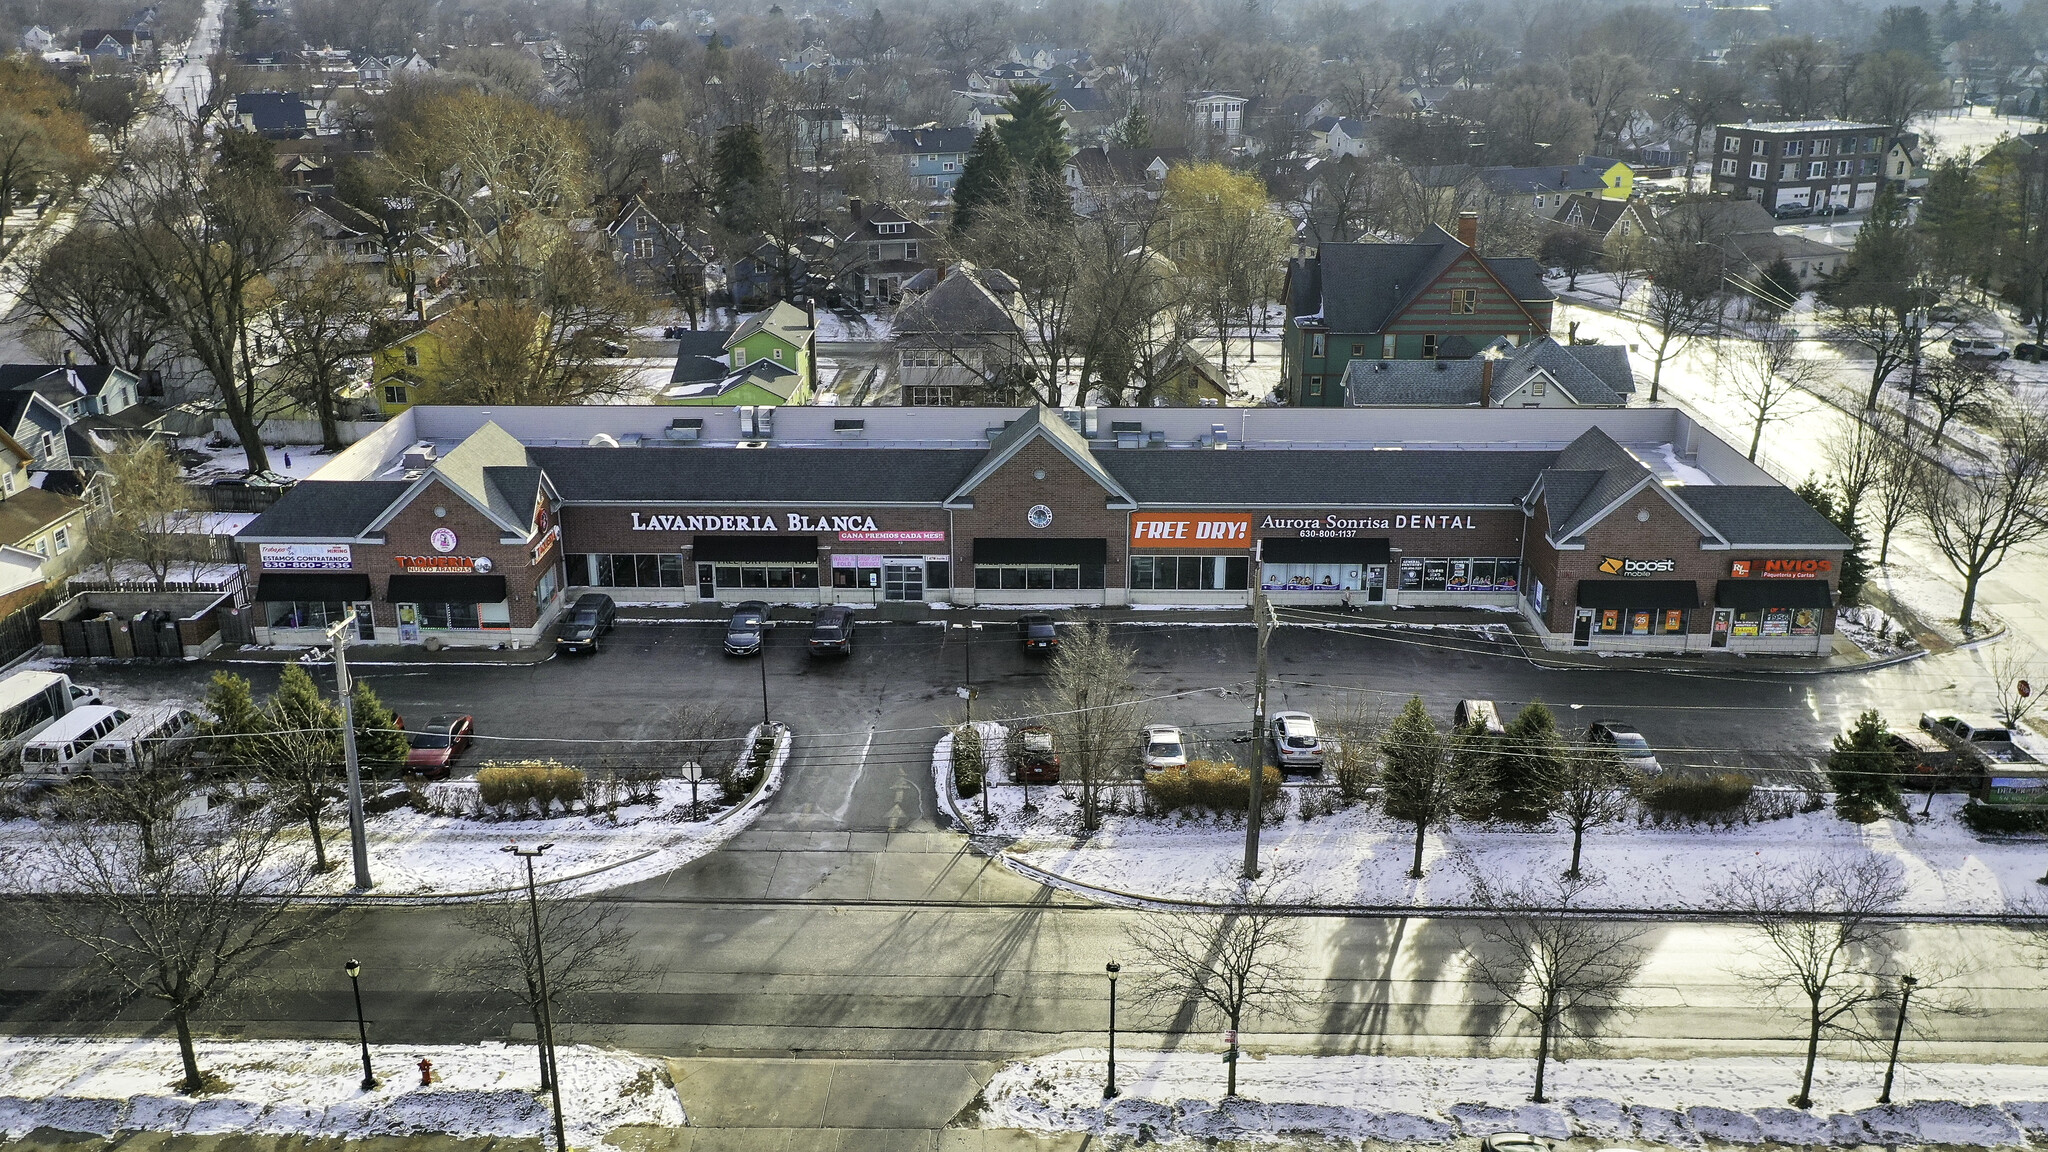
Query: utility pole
x,y
1262,616
359,843
547,1012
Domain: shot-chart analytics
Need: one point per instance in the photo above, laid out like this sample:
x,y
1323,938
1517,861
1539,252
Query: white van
x,y
59,750
30,701
148,738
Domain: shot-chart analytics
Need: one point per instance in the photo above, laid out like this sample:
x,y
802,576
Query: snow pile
x,y
1357,856
280,1087
1435,1100
1873,631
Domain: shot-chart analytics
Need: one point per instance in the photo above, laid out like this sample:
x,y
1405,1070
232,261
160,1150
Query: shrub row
x,y
970,764
2000,820
1213,784
1695,798
541,784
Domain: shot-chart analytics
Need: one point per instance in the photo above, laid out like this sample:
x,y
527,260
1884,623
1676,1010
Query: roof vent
x,y
850,429
1441,366
419,456
683,428
1379,365
602,440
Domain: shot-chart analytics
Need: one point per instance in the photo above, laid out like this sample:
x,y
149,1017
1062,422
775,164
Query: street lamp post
x,y
547,1014
763,654
358,842
354,971
1906,984
1109,1089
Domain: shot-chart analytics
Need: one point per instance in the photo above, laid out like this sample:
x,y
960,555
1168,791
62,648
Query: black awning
x,y
758,549
1041,550
1638,594
331,587
1321,550
446,589
1757,595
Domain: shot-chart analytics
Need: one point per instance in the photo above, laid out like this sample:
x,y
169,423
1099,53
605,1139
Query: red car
x,y
435,747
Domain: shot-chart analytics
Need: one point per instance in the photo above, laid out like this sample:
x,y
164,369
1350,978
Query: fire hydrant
x,y
426,1072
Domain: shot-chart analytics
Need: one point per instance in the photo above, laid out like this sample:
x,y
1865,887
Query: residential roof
x,y
347,215
698,370
1764,515
273,111
31,510
78,379
781,319
1362,287
865,228
324,510
1352,128
1596,214
927,141
1100,167
1593,375
961,303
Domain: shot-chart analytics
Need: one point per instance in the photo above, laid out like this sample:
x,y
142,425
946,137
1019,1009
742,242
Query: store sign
x,y
1345,527
764,522
1040,516
1177,530
1628,566
444,540
444,564
1780,569
328,557
888,537
856,561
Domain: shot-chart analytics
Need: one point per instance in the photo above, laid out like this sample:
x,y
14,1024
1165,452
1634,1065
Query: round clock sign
x,y
444,540
1040,516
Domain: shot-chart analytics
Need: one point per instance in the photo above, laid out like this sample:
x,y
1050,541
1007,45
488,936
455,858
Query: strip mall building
x,y
1627,529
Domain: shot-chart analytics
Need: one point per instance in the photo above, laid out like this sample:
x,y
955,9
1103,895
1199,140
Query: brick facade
x,y
1003,503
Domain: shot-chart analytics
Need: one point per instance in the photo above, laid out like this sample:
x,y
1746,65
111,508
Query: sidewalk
x,y
373,655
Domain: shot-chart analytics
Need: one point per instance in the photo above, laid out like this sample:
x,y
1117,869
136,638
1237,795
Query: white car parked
x,y
1164,748
1295,743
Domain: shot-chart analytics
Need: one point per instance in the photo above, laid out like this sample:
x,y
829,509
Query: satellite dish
x,y
602,440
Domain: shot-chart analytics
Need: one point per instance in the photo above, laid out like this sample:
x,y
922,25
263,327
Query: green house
x,y
762,382
784,335
1433,299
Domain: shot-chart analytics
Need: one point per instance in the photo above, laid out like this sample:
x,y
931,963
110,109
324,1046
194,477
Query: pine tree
x,y
740,180
1475,754
1864,770
987,178
1526,769
380,743
1778,288
1035,133
232,718
1855,569
1419,785
1133,131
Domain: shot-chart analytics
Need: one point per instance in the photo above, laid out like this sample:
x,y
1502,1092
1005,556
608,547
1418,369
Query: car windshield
x,y
1631,742
746,623
586,619
430,740
1041,629
1164,747
1038,741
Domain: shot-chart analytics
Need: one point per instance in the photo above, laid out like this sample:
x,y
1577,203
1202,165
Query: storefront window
x,y
1328,577
765,575
1191,573
305,613
1411,574
450,616
1433,572
1037,577
1674,620
1460,574
1609,620
629,570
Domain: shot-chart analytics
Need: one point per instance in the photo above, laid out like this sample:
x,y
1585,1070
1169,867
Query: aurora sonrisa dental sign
x,y
764,522
1625,566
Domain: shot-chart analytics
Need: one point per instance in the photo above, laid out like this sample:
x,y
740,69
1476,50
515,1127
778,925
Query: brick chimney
x,y
1468,229
857,209
1486,381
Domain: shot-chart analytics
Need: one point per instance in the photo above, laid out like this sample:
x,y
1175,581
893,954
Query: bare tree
x,y
1228,966
1976,516
1091,703
1901,472
1684,264
587,949
322,313
1768,372
2012,678
1822,935
1855,457
147,501
224,895
86,286
1565,974
1588,783
1957,390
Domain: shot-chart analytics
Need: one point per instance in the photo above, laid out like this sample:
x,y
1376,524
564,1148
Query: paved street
x,y
847,924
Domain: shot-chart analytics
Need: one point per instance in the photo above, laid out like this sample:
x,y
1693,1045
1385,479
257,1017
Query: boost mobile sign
x,y
1623,566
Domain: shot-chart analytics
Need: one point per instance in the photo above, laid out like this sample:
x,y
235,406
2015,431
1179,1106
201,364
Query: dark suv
x,y
832,630
590,617
1038,634
744,631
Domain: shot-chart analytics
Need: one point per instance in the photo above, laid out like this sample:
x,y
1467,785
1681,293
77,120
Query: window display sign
x,y
321,556
841,561
1778,622
1805,621
1610,619
1191,530
1460,574
885,536
1674,620
1639,622
1309,577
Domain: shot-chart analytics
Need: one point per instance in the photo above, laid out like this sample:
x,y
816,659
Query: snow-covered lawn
x,y
446,853
1429,1100
1975,131
1873,631
311,1088
1358,856
295,460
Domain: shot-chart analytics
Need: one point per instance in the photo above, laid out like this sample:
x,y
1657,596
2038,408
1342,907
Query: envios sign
x,y
1629,566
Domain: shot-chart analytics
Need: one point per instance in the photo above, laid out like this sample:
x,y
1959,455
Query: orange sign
x,y
1780,569
1191,530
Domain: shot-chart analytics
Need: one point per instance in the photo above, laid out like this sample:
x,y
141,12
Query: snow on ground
x,y
1434,1100
1932,596
431,854
1358,856
212,523
298,461
1873,631
278,1087
834,328
1975,131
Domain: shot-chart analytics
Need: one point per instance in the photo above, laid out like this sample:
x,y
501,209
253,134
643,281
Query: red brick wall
x,y
1005,498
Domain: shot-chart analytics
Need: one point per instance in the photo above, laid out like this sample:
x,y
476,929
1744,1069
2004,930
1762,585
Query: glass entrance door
x,y
902,579
366,626
1375,583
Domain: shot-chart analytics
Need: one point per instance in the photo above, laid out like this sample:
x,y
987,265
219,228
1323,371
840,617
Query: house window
x,y
643,247
1315,386
778,353
1842,167
1317,344
931,181
1816,170
1358,349
890,229
910,249
1387,347
7,482
948,166
49,446
1727,167
1464,301
1429,346
1758,147
63,538
1792,147
1788,172
395,394
1536,384
1729,144
43,547
412,357
1759,170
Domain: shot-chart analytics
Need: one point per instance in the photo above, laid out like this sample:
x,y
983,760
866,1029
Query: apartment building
x,y
1801,164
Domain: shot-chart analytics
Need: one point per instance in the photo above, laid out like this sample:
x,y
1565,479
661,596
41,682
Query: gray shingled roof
x,y
325,510
772,475
1761,514
1163,476
1612,473
958,304
1595,375
1361,287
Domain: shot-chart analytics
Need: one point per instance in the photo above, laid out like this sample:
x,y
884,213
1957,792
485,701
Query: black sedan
x,y
590,617
744,631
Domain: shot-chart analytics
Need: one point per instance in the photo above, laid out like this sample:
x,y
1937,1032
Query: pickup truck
x,y
2014,762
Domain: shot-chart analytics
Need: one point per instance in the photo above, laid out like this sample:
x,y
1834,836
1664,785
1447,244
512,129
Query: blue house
x,y
934,157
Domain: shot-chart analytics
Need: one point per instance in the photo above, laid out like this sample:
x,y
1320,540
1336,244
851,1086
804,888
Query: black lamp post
x,y
1906,984
355,971
1109,1089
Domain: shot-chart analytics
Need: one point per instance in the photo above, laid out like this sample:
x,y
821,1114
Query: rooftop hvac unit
x,y
764,421
682,428
602,440
420,456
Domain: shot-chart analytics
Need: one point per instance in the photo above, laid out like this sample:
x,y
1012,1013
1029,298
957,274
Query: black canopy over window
x,y
1041,550
1638,594
446,589
1317,550
755,549
1756,595
328,587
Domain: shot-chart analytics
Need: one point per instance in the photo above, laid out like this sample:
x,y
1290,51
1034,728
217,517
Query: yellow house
x,y
402,373
1618,180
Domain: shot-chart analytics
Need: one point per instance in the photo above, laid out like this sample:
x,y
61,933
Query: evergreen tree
x,y
298,710
232,719
1133,131
1855,570
1778,288
740,180
1864,770
380,743
1527,766
1475,754
987,178
1035,133
1906,28
1418,784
